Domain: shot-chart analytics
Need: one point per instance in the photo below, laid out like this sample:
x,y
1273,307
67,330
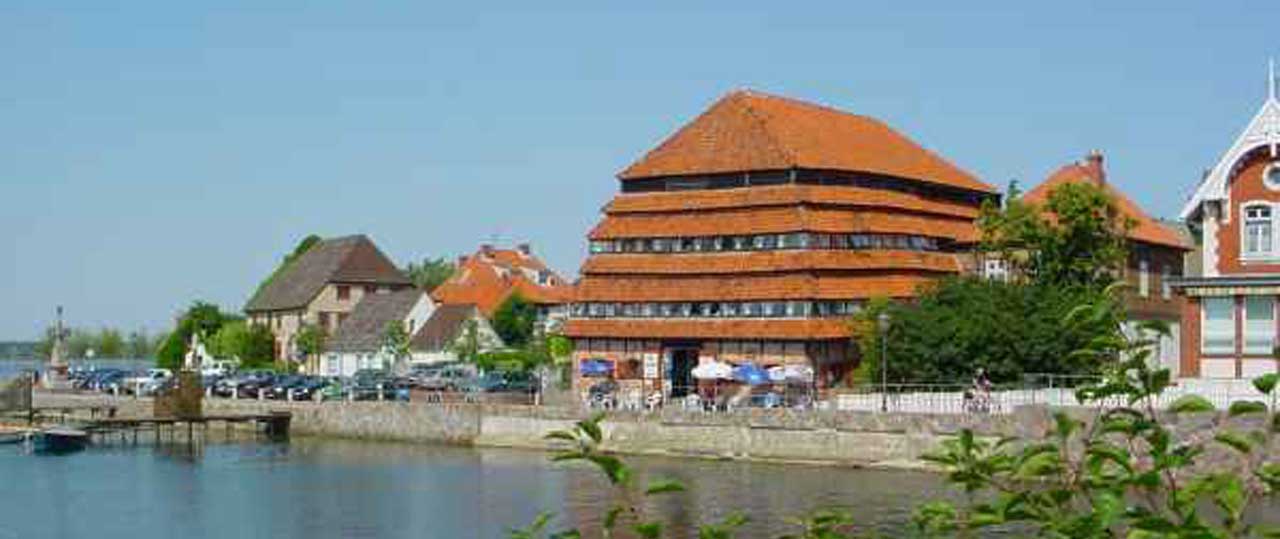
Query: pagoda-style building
x,y
754,233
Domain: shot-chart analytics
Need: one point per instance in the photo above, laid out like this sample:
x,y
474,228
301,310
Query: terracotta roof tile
x,y
793,286
746,131
486,278
781,219
769,261
785,195
711,329
1147,229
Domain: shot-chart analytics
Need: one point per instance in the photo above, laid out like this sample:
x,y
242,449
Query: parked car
x,y
505,382
309,387
147,382
451,378
281,386
218,368
245,385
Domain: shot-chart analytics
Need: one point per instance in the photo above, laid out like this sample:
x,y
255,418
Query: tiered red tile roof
x,y
488,277
747,132
1090,170
753,131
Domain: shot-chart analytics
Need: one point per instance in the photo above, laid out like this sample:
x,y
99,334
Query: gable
x,y
350,259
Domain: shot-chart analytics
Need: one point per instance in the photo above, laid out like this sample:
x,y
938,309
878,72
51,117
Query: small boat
x,y
13,437
60,439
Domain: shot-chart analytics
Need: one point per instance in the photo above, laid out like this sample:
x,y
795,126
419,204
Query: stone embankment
x,y
838,438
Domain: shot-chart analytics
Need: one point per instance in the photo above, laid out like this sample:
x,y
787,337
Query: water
x,y
321,488
10,368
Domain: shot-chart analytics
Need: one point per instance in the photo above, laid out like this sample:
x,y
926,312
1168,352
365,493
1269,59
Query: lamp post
x,y
882,323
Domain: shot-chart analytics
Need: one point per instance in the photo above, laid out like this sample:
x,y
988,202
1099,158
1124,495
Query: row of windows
x,y
767,242
799,176
1218,336
723,309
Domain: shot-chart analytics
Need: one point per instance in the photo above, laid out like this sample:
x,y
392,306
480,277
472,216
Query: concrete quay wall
x,y
846,438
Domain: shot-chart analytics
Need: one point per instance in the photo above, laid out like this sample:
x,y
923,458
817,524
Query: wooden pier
x,y
103,424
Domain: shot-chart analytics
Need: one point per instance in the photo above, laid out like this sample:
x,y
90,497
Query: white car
x,y
147,383
217,369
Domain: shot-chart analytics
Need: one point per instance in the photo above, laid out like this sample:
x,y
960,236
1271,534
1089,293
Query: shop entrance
x,y
683,360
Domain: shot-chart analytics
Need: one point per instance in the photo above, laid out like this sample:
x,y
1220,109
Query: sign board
x,y
650,366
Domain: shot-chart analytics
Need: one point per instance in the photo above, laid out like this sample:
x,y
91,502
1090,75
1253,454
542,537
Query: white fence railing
x,y
960,399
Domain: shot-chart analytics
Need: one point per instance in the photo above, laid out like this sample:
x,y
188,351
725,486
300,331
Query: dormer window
x,y
1257,230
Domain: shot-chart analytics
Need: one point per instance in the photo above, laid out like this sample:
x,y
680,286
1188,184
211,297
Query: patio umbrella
x,y
798,373
713,371
750,374
595,367
777,374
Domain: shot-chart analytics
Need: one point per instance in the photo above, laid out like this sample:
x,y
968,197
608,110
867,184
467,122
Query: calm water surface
x,y
322,488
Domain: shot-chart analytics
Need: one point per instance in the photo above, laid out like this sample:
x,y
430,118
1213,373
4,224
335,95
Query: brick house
x,y
754,232
1156,253
320,288
1229,318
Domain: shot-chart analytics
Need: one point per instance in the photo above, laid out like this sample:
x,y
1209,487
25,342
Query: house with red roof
x,y
1156,253
753,232
491,275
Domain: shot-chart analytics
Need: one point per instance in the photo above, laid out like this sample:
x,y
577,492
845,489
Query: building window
x,y
1257,230
1219,327
1166,291
1272,176
1144,278
344,293
324,321
370,289
1259,325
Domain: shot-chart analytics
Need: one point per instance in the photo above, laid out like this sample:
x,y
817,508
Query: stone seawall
x,y
847,438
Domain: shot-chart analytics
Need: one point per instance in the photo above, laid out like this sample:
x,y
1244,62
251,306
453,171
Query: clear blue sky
x,y
158,152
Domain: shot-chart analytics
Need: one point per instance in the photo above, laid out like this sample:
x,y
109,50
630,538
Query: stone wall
x,y
842,438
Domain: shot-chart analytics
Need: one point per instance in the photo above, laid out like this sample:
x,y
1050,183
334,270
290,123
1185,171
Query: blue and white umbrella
x,y
750,374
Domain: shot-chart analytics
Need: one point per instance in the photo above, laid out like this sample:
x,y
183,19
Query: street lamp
x,y
882,323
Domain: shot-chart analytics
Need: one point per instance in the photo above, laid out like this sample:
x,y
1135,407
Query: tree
x,y
311,341
395,341
1077,239
430,273
469,343
110,343
202,318
514,320
253,345
139,345
961,324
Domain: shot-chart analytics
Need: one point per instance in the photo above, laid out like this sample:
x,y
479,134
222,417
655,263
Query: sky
x,y
156,153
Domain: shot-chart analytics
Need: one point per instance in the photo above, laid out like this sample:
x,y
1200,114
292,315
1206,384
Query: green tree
x,y
203,318
138,345
110,343
961,324
430,273
514,321
311,341
252,345
469,343
1078,238
395,341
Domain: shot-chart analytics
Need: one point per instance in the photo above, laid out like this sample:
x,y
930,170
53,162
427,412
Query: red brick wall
x,y
1190,357
1246,186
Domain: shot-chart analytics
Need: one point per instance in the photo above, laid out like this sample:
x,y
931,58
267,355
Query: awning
x,y
595,367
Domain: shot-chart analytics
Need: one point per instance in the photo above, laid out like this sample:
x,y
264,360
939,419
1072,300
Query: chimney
x,y
525,249
486,249
462,260
1094,159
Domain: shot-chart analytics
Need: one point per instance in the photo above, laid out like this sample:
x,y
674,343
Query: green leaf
x,y
1239,408
659,486
560,435
591,427
613,468
1191,404
1235,441
611,517
648,530
1266,383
